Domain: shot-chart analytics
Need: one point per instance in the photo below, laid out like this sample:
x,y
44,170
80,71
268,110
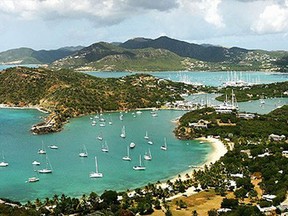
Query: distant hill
x,y
200,52
109,57
144,54
164,53
30,56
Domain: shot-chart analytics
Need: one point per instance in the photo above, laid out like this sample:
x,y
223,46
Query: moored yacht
x,y
127,157
132,145
96,174
139,167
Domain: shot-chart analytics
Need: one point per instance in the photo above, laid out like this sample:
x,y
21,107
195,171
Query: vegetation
x,y
142,54
232,127
164,53
256,92
254,155
68,94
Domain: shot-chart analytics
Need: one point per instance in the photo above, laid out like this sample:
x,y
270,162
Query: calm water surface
x,y
71,173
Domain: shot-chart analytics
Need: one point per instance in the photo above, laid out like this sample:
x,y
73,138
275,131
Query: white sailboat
x,y
121,117
132,145
150,142
123,133
105,147
127,157
47,169
96,174
93,123
148,155
140,167
146,135
36,163
3,163
84,152
164,147
110,121
34,178
100,137
102,124
53,147
42,151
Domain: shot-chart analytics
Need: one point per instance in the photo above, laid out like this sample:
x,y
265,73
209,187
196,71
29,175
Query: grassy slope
x,y
77,93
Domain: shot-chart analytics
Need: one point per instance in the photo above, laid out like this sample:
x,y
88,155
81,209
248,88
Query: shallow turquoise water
x,y
71,173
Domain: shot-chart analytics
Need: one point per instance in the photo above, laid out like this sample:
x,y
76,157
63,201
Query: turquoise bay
x,y
71,173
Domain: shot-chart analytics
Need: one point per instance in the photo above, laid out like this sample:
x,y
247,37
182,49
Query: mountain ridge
x,y
145,54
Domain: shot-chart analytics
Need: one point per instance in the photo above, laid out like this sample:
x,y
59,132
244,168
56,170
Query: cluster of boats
x,y
147,156
47,169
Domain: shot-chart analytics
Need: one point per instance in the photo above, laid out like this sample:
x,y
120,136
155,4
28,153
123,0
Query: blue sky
x,y
51,24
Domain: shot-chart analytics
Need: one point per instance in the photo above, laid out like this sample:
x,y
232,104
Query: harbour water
x,y
71,173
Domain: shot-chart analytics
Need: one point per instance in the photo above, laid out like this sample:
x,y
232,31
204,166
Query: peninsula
x,y
66,94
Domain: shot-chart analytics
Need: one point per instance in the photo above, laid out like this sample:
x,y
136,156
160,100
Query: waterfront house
x,y
237,175
285,154
200,124
269,197
264,154
276,137
267,210
246,115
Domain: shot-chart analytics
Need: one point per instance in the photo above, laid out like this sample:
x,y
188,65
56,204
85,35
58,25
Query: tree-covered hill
x,y
109,57
256,92
233,127
68,94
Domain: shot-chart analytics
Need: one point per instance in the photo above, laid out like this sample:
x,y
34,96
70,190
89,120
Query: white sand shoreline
x,y
219,150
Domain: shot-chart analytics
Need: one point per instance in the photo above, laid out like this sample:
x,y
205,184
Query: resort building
x,y
200,124
276,137
246,115
285,154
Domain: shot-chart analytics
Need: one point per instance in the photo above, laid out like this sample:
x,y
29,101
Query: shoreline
x,y
218,150
5,106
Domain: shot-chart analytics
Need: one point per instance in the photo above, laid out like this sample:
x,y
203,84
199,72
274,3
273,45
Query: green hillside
x,y
164,54
68,94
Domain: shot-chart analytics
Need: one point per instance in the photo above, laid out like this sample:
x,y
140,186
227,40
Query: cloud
x,y
207,9
273,19
105,12
161,5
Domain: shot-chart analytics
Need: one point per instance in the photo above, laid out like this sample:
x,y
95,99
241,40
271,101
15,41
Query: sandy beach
x,y
219,150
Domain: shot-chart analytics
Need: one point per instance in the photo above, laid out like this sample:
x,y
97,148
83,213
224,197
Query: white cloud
x,y
103,12
207,9
273,19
